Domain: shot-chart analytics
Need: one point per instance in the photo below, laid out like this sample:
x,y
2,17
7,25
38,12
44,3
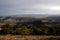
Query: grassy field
x,y
28,37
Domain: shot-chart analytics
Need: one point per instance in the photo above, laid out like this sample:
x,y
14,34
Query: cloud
x,y
12,7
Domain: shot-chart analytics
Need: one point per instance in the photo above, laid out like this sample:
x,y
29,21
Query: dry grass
x,y
28,37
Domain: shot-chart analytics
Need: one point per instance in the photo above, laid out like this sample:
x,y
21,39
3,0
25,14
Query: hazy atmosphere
x,y
29,19
17,7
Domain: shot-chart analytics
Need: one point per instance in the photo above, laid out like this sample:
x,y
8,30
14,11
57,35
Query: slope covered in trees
x,y
36,27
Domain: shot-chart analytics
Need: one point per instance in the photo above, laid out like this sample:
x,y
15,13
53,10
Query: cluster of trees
x,y
32,28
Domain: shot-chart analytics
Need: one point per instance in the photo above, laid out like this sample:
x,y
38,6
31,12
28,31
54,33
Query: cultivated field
x,y
28,37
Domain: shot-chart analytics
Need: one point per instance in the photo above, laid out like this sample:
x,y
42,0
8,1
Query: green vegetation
x,y
36,27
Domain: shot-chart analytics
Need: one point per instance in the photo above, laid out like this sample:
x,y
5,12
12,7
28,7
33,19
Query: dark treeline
x,y
31,28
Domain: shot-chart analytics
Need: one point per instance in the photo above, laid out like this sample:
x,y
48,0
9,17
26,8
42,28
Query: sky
x,y
18,7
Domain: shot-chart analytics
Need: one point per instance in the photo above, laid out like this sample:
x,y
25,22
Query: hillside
x,y
18,25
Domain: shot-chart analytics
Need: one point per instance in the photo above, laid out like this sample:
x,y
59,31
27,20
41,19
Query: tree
x,y
7,29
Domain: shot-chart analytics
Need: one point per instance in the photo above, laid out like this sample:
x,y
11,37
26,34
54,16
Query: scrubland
x,y
28,37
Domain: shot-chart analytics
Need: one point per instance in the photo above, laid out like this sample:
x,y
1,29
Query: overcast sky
x,y
17,7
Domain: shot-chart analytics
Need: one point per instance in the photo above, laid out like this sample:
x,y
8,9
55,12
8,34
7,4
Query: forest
x,y
36,27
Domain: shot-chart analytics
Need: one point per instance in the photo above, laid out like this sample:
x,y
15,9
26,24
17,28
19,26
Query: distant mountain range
x,y
30,17
54,18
